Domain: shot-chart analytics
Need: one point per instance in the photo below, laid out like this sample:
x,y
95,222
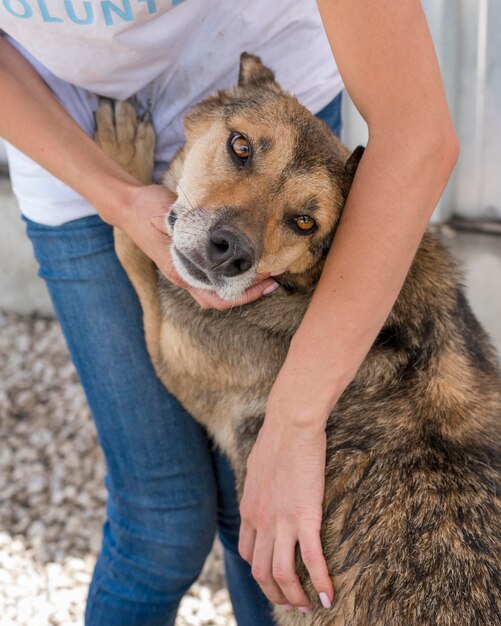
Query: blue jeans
x,y
169,489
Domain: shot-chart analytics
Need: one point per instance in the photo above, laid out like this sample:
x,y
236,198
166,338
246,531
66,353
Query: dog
x,y
411,525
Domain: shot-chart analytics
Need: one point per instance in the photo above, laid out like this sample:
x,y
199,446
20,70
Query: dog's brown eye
x,y
240,146
305,223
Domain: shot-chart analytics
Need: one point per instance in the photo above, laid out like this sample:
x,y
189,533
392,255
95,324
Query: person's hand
x,y
144,223
282,499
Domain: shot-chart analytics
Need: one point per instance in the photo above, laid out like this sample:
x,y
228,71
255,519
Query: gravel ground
x,y
51,489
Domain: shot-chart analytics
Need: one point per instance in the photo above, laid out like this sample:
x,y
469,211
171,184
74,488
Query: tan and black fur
x,y
412,518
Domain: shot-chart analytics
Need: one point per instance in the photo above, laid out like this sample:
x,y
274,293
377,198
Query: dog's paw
x,y
125,137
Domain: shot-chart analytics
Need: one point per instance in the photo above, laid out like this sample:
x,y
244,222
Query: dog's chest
x,y
221,367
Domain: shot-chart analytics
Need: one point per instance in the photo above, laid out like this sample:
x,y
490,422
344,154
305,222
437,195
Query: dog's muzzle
x,y
210,251
229,253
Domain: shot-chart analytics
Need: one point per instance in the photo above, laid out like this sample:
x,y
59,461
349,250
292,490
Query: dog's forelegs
x,y
127,139
130,142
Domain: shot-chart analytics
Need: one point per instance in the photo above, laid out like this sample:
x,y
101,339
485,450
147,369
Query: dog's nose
x,y
229,253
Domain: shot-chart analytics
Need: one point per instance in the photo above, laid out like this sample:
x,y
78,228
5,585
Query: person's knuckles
x,y
268,585
307,517
295,595
262,574
246,514
263,522
286,578
275,597
246,553
312,558
253,507
283,574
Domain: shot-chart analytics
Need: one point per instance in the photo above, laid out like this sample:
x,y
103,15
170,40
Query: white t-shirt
x,y
170,53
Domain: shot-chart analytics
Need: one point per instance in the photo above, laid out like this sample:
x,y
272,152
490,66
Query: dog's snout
x,y
229,253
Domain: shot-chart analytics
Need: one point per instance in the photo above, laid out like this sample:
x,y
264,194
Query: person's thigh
x,y
161,508
250,605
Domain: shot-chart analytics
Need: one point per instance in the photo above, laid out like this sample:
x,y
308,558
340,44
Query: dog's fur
x,y
412,518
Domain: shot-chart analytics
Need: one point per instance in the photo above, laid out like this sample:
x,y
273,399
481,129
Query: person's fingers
x,y
210,300
175,279
160,222
159,244
284,570
263,288
313,558
246,541
262,560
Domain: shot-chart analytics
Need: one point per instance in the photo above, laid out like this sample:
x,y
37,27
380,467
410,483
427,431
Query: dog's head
x,y
261,183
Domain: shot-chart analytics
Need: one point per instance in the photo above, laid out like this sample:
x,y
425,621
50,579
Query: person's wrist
x,y
295,403
114,201
300,418
307,388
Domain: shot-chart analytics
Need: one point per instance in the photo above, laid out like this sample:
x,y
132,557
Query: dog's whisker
x,y
178,184
186,196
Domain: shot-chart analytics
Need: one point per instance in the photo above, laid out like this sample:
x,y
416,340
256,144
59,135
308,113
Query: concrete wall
x,y
21,290
467,37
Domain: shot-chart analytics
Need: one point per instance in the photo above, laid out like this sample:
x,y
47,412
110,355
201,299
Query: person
x,y
167,486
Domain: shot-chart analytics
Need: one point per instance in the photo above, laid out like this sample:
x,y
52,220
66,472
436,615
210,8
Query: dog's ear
x,y
254,73
350,169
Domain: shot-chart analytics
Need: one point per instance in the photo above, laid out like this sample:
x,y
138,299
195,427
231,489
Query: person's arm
x,y
387,60
33,120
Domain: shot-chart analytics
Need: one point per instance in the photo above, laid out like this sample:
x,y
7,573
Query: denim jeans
x,y
169,490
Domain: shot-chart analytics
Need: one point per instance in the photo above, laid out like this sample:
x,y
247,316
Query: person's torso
x,y
116,47
172,53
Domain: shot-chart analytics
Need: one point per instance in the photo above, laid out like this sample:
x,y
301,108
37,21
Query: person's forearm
x,y
386,214
387,60
35,123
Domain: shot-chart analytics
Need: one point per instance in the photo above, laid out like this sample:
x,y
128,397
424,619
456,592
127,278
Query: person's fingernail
x,y
324,599
278,273
305,609
270,289
287,607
